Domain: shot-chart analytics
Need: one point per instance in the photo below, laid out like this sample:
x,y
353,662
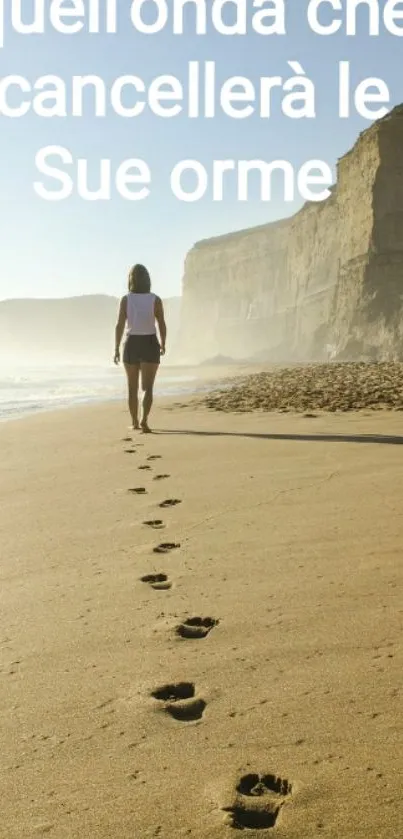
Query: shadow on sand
x,y
391,440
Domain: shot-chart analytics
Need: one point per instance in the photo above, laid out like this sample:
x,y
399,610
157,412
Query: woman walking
x,y
140,310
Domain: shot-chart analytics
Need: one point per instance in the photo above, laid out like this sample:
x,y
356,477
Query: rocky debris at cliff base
x,y
346,386
219,361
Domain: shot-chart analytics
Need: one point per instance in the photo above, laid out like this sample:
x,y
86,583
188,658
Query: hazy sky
x,y
52,249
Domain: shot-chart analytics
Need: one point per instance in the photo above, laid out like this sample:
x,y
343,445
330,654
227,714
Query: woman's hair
x,y
139,280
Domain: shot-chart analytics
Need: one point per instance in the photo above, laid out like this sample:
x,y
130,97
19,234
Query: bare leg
x,y
132,372
148,374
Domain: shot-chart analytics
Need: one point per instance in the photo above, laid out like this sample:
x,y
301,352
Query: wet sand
x,y
256,683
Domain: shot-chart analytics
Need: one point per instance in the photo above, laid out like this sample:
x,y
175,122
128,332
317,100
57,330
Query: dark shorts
x,y
140,348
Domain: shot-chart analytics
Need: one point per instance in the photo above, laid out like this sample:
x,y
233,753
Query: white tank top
x,y
140,314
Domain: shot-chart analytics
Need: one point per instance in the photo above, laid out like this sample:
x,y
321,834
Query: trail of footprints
x,y
180,701
257,802
257,799
166,547
157,581
196,627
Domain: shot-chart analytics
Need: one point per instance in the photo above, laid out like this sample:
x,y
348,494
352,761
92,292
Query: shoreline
x,y
311,388
173,382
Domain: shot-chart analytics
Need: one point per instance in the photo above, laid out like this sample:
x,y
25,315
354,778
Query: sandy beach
x,y
256,682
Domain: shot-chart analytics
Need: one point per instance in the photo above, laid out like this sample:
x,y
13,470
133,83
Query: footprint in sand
x,y
138,491
170,502
166,547
196,627
258,801
130,451
154,457
156,524
144,467
160,582
127,440
180,701
161,477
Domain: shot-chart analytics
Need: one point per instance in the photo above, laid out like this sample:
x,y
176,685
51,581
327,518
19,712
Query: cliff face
x,y
330,275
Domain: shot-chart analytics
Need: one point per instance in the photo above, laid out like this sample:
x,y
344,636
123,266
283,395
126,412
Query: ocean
x,y
29,390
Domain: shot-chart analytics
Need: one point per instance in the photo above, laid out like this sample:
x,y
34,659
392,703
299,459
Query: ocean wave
x,y
45,389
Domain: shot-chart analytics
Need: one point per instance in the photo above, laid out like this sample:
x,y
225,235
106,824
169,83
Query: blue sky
x,y
55,249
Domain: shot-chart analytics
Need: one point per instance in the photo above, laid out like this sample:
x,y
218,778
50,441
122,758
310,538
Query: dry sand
x,y
289,535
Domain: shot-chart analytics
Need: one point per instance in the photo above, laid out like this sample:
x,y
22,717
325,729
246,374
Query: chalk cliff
x,y
329,276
